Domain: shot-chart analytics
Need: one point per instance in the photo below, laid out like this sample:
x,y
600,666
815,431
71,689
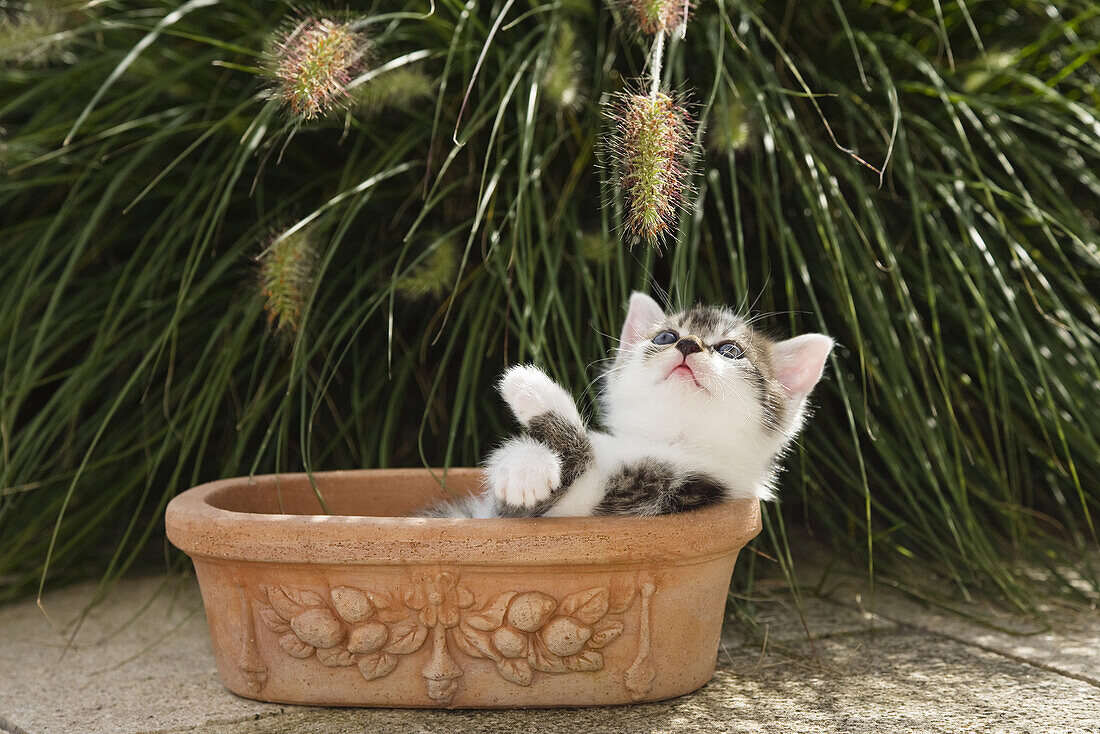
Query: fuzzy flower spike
x,y
651,147
35,33
286,279
312,64
655,17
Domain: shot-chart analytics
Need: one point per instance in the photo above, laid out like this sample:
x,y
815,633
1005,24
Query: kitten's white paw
x,y
523,472
530,393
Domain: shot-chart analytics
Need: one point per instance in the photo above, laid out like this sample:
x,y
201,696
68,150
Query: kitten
x,y
698,406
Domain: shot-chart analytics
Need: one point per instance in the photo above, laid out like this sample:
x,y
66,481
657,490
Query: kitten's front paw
x,y
523,472
530,393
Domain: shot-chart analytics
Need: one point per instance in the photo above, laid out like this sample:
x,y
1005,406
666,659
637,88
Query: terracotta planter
x,y
370,607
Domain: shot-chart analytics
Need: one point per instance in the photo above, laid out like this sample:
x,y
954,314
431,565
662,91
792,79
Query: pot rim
x,y
200,529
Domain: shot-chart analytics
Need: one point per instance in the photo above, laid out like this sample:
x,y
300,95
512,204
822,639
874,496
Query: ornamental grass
x,y
918,180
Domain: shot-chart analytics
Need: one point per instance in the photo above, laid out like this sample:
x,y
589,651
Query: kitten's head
x,y
708,371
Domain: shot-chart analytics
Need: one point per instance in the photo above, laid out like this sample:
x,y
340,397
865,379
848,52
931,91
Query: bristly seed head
x,y
655,16
286,277
312,63
400,89
562,81
37,33
651,148
434,276
596,247
731,127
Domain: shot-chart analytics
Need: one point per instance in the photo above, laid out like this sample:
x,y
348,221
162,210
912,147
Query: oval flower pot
x,y
372,607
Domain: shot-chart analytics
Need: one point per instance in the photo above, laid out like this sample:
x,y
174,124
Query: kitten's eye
x,y
730,350
665,337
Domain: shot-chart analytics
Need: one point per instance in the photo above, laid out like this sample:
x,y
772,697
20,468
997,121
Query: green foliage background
x,y
144,171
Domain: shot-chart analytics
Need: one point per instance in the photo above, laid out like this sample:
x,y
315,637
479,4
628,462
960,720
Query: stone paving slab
x,y
157,674
781,618
902,682
1070,645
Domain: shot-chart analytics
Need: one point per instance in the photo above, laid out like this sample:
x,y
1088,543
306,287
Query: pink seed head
x,y
651,147
656,16
313,62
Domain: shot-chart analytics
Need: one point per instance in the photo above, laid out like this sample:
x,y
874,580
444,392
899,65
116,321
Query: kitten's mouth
x,y
683,372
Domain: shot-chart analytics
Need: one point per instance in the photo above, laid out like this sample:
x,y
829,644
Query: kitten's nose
x,y
689,345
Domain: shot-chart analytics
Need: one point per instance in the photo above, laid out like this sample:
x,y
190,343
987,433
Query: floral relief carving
x,y
522,632
531,631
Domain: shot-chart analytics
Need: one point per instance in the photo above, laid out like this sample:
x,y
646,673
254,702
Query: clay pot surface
x,y
370,606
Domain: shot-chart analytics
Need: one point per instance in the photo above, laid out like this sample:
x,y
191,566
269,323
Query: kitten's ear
x,y
642,314
799,362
